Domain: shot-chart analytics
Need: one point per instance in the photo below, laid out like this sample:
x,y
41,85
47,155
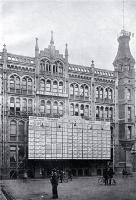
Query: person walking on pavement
x,y
54,182
105,175
110,175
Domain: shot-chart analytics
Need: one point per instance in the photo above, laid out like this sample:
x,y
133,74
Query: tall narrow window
x,y
12,84
12,105
129,113
71,89
128,94
13,131
86,91
72,109
21,131
24,85
82,90
55,86
61,108
76,90
48,107
55,108
101,93
82,110
97,112
106,93
86,111
13,155
106,113
24,105
76,110
42,86
97,92
42,106
110,113
48,86
29,86
18,106
30,109
17,84
110,94
60,87
129,134
101,112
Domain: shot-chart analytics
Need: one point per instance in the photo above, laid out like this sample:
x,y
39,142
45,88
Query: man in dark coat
x,y
54,182
110,175
105,175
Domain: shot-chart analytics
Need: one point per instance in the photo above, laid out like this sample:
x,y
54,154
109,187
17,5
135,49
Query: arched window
x,y
82,110
97,112
86,91
12,105
101,112
30,109
18,106
86,111
61,108
106,113
101,93
29,86
17,84
110,113
48,107
55,107
13,131
72,109
21,131
128,94
82,90
76,90
42,106
60,87
76,110
24,84
12,84
60,67
106,93
54,68
55,86
71,89
24,105
42,85
110,94
97,92
48,85
47,66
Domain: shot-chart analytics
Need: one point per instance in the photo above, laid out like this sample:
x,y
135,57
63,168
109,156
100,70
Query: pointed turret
x,y
66,53
52,41
124,50
4,49
36,48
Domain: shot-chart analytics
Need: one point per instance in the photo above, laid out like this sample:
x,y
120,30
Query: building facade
x,y
47,85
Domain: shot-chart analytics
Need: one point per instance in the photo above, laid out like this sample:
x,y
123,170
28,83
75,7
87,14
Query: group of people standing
x,y
108,175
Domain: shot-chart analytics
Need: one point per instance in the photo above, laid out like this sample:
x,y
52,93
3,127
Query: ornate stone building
x,y
47,85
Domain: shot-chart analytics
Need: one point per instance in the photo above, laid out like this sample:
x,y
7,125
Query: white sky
x,y
89,27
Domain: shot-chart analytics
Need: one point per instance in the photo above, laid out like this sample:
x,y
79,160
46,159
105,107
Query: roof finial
x,y
123,17
4,49
92,63
52,41
36,45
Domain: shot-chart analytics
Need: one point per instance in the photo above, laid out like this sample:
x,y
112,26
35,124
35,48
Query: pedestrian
x,y
105,175
110,175
54,182
70,175
61,175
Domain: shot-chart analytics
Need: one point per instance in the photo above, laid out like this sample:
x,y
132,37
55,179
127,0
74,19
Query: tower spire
x,y
123,16
36,48
66,53
52,41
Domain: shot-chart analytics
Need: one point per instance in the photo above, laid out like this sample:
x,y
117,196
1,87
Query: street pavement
x,y
81,188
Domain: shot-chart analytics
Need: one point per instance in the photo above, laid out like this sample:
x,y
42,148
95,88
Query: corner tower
x,y
124,70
